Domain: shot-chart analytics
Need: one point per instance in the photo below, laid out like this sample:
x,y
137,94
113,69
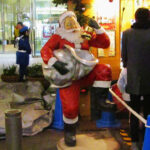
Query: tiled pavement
x,y
47,139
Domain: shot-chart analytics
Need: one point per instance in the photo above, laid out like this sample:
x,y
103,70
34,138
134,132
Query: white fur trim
x,y
46,70
66,14
44,66
70,36
77,46
70,121
51,61
100,31
103,84
60,86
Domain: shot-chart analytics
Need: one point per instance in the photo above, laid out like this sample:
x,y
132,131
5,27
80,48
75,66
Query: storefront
x,y
115,16
41,16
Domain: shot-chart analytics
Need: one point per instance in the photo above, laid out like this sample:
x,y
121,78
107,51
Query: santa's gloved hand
x,y
60,67
93,24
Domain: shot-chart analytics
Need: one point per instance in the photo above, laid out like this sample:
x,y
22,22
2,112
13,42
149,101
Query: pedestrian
x,y
20,25
22,55
17,29
135,57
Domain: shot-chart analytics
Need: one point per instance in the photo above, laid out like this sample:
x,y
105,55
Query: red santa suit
x,y
100,76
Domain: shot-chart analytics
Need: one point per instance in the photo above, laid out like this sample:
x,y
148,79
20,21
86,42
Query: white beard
x,y
73,37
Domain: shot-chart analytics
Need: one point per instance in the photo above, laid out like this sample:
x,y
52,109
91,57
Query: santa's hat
x,y
66,14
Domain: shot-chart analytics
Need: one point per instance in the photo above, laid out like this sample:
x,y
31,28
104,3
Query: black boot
x,y
100,95
70,134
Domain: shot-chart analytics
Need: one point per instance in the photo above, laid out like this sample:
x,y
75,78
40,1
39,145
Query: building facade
x,y
41,16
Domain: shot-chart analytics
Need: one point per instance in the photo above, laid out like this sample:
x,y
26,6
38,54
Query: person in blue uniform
x,y
22,54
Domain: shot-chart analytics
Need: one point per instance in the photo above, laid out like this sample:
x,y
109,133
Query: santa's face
x,y
70,30
71,24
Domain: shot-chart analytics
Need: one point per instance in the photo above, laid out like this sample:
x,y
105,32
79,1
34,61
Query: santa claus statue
x,y
69,35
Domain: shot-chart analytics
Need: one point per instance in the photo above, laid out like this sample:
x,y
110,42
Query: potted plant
x,y
35,73
9,74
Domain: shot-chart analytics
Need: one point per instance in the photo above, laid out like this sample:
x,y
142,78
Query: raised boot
x,y
100,95
70,134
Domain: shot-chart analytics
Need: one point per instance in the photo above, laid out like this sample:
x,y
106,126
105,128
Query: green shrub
x,y
10,71
35,70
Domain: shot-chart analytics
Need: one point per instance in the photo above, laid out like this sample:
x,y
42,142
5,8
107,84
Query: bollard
x,y
13,127
58,122
108,119
146,145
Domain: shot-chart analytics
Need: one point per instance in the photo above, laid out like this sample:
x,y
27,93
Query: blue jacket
x,y
22,58
24,45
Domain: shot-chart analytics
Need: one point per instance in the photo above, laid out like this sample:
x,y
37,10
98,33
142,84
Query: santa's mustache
x,y
73,30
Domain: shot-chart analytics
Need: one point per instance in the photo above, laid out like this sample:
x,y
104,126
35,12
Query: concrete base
x,y
89,142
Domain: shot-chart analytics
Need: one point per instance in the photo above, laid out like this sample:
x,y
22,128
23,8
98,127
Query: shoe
x,y
107,105
135,146
70,134
70,139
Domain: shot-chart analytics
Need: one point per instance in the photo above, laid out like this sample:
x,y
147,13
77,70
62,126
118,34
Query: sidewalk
x,y
10,59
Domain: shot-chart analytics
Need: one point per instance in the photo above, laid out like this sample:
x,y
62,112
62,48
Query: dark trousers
x,y
22,71
137,104
15,42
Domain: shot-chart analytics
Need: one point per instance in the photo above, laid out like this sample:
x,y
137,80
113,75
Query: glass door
x,y
41,16
9,20
12,11
1,28
46,17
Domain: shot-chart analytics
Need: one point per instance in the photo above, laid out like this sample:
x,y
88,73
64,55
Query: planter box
x,y
35,78
13,78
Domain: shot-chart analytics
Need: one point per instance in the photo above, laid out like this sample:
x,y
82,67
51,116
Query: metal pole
x,y
33,26
19,14
3,27
34,12
13,127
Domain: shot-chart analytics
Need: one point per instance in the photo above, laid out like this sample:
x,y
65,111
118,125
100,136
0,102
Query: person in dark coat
x,y
136,58
23,52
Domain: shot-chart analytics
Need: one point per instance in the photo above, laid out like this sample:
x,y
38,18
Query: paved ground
x,y
48,139
45,140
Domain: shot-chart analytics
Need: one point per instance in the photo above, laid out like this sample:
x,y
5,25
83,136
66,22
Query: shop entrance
x,y
41,16
11,11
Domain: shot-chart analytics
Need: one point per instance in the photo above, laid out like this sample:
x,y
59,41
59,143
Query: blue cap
x,y
24,29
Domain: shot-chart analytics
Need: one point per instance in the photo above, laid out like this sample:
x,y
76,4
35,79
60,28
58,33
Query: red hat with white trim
x,y
66,14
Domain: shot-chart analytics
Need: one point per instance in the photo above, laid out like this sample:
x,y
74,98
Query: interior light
x,y
83,90
104,8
